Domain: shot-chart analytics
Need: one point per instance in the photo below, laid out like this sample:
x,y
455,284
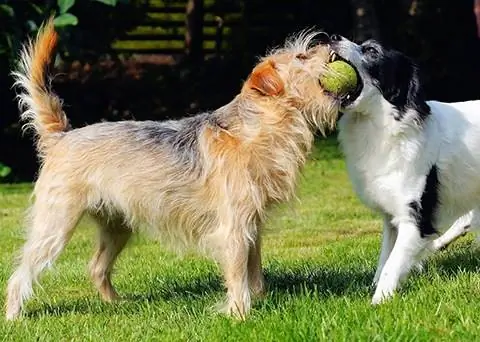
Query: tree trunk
x,y
194,30
365,20
218,36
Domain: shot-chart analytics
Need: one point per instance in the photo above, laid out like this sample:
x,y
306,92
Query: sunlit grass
x,y
319,253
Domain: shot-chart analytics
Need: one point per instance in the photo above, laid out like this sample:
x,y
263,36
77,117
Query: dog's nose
x,y
323,38
336,37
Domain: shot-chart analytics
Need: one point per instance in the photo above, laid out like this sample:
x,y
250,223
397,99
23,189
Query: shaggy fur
x,y
415,161
205,181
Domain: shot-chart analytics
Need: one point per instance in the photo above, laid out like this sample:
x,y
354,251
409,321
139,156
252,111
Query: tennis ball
x,y
340,78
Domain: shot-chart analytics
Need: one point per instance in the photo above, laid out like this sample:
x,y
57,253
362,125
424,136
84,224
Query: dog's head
x,y
287,81
384,75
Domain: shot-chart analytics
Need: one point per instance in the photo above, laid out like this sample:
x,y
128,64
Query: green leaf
x,y
65,5
37,9
65,19
108,2
8,10
4,170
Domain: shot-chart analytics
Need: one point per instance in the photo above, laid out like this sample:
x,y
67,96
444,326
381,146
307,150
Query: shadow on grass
x,y
280,280
325,281
463,257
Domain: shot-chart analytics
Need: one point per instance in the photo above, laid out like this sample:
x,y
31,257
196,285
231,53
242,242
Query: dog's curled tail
x,y
41,108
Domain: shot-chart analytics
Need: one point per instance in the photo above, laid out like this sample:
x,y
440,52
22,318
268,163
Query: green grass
x,y
319,255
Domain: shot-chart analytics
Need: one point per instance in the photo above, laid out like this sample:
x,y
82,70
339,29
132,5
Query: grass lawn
x,y
319,253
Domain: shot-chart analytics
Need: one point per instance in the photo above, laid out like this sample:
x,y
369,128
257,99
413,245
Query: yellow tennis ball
x,y
340,78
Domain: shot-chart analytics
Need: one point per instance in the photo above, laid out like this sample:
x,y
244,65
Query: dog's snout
x,y
335,37
323,38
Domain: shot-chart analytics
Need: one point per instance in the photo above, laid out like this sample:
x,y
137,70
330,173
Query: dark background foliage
x,y
166,59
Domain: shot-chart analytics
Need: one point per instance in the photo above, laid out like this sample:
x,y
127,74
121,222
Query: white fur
x,y
459,228
388,161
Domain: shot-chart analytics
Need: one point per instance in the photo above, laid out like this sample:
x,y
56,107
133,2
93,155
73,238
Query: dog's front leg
x,y
408,245
235,268
388,240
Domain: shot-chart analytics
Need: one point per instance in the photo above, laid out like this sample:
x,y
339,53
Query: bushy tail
x,y
41,108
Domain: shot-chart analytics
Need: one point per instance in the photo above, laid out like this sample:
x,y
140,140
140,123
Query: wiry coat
x,y
203,181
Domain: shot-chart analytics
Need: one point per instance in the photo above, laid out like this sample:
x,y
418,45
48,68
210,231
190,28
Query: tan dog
x,y
204,181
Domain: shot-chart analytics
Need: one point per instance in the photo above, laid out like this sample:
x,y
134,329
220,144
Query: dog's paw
x,y
438,245
232,309
111,297
258,290
377,300
12,313
419,267
13,304
382,296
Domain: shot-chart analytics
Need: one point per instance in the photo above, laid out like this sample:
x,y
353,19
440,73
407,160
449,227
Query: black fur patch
x,y
179,137
397,77
425,210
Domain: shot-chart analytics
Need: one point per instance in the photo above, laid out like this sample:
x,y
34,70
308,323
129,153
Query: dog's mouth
x,y
348,98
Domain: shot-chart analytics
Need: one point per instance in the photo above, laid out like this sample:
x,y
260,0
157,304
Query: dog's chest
x,y
378,181
383,172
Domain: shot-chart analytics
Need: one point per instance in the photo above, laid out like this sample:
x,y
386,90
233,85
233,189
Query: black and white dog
x,y
415,161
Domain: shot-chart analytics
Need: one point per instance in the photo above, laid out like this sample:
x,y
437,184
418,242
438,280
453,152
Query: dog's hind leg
x,y
113,236
459,228
255,275
54,215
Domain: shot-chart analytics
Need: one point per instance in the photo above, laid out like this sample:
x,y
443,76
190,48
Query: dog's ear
x,y
266,80
401,84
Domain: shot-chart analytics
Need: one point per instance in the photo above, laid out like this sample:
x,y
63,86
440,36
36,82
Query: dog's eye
x,y
301,56
369,50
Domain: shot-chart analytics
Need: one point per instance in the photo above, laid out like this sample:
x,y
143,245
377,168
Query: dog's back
x,y
468,109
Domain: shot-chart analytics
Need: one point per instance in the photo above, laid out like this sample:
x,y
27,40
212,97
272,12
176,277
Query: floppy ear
x,y
266,80
402,86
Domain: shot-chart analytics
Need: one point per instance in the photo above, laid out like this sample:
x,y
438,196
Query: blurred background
x,y
158,59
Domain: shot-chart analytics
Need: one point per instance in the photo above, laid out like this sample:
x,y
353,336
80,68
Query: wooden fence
x,y
163,29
